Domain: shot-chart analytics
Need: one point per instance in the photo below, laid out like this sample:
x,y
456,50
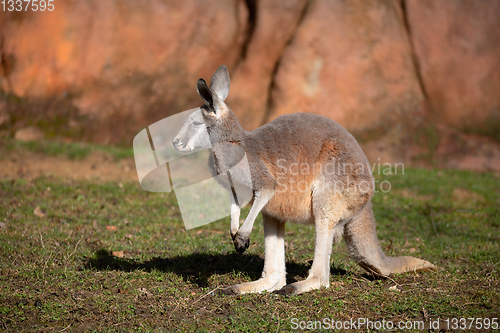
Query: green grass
x,y
74,151
58,271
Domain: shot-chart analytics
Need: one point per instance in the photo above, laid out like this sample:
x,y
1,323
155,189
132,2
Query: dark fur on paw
x,y
287,291
232,290
240,244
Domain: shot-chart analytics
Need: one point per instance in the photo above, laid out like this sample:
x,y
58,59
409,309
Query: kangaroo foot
x,y
231,290
301,287
263,284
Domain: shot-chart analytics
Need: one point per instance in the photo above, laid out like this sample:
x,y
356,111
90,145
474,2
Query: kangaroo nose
x,y
175,141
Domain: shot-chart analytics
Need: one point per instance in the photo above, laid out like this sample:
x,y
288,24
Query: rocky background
x,y
410,79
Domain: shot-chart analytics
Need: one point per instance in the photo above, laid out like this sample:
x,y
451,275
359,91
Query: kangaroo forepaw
x,y
241,243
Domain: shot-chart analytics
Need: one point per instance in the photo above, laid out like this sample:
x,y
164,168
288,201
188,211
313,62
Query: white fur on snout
x,y
193,135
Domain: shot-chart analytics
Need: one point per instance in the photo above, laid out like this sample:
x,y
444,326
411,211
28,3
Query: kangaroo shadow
x,y
198,267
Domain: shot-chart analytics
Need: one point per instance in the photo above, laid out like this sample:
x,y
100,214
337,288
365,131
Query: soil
x,y
97,166
451,150
455,150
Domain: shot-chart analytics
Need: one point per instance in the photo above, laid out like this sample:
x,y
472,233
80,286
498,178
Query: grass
x,y
86,256
73,151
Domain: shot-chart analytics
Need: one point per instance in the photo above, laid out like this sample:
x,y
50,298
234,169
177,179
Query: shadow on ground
x,y
199,267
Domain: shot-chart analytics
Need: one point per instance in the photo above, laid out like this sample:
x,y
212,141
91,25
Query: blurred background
x,y
415,81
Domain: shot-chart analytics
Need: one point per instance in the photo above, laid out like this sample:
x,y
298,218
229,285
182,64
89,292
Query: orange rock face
x,y
458,48
274,25
367,64
135,61
349,61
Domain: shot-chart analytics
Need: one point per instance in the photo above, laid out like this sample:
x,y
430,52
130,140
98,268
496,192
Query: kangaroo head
x,y
214,118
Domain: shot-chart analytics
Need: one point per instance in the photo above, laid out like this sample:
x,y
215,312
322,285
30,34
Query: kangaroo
x,y
305,168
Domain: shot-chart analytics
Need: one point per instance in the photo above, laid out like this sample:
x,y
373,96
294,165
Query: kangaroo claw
x,y
240,243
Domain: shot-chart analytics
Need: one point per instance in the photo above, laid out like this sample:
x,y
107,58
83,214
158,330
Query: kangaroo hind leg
x,y
364,248
273,275
319,274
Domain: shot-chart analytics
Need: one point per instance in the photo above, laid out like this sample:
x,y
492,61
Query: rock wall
x,y
370,65
351,61
123,63
457,44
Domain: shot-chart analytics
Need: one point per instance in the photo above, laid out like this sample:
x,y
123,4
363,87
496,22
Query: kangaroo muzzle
x,y
193,135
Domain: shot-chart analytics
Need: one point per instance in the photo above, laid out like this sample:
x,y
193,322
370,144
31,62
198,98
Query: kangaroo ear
x,y
220,82
205,93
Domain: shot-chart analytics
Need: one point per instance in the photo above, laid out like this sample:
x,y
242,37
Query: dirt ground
x,y
442,148
101,166
478,154
98,165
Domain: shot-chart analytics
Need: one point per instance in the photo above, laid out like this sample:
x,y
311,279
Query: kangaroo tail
x,y
364,248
